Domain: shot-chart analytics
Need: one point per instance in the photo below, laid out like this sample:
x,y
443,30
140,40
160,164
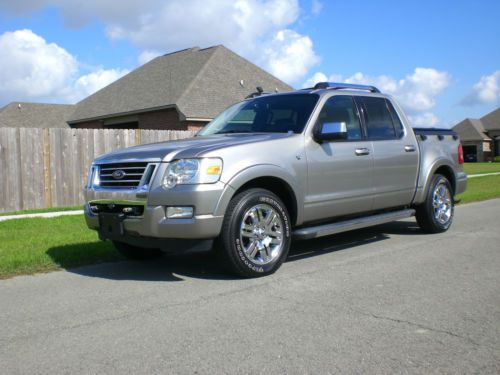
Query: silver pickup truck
x,y
273,167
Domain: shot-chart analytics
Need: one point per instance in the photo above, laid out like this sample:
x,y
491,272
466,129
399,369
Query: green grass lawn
x,y
479,168
46,244
481,188
42,210
41,244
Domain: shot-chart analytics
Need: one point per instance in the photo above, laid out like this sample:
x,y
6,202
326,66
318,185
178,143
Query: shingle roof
x,y
471,130
199,82
491,121
35,115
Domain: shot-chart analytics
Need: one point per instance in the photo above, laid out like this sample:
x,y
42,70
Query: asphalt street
x,y
388,299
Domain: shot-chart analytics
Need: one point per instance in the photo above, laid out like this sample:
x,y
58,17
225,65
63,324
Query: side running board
x,y
344,226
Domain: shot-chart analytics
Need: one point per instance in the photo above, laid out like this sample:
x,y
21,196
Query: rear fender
x,y
425,176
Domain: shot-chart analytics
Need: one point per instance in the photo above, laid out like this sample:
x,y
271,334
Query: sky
x,y
440,59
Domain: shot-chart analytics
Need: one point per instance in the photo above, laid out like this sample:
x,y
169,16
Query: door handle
x,y
362,151
409,148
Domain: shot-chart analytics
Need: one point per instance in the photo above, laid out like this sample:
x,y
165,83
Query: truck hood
x,y
186,148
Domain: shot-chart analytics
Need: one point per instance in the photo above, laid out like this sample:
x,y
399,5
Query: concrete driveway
x,y
384,300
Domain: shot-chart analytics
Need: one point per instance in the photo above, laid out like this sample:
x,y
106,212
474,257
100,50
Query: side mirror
x,y
330,131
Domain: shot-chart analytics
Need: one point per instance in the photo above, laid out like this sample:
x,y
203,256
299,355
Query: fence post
x,y
47,196
137,137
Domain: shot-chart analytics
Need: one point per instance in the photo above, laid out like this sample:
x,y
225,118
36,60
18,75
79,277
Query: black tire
x,y
430,218
236,245
136,253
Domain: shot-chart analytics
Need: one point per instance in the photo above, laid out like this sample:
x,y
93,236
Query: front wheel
x,y
435,215
256,235
136,253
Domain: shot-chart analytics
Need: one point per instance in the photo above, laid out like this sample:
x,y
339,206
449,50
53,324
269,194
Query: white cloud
x,y
34,70
89,83
318,77
416,92
177,24
485,91
289,56
316,7
426,119
159,26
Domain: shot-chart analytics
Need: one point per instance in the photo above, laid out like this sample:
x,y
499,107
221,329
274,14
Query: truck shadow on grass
x,y
205,265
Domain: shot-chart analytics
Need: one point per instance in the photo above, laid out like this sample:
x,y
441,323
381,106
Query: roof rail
x,y
337,86
259,92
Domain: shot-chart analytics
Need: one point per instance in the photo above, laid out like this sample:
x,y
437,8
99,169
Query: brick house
x,y
178,91
480,138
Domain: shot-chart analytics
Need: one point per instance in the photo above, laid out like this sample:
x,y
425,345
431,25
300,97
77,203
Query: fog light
x,y
179,212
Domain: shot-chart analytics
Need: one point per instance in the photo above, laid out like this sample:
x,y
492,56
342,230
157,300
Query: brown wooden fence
x,y
41,168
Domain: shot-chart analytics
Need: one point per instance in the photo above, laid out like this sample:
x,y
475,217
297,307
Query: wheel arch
x,y
442,167
269,177
447,171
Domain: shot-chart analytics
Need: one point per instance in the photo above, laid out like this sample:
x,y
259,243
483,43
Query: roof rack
x,y
259,92
338,86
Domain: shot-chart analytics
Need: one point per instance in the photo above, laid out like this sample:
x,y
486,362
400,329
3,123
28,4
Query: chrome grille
x,y
124,175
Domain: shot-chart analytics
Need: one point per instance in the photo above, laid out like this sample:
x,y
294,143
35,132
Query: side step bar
x,y
344,226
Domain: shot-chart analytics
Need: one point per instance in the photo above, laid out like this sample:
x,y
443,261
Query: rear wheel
x,y
435,215
136,253
255,236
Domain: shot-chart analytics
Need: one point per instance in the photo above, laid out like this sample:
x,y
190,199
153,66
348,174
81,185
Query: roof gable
x,y
471,130
199,82
157,84
227,78
491,121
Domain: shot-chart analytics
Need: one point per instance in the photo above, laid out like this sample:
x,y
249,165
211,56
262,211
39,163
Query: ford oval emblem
x,y
118,174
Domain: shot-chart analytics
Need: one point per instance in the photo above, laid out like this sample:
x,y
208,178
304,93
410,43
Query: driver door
x,y
340,172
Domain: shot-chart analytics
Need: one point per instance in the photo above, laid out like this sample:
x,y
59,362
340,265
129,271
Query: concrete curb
x,y
483,174
44,214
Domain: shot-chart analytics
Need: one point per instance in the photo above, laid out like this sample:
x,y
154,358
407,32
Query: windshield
x,y
265,114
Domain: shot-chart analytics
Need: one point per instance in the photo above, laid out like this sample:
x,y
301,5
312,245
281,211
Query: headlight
x,y
192,171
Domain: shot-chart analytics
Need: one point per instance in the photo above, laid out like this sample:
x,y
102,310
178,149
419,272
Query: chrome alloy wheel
x,y
442,204
261,234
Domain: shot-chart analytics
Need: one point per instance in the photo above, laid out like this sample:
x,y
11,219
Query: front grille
x,y
125,175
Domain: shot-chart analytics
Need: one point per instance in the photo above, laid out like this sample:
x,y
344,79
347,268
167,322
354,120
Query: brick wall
x,y
165,119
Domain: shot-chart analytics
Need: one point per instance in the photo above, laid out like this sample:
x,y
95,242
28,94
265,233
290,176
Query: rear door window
x,y
398,126
379,124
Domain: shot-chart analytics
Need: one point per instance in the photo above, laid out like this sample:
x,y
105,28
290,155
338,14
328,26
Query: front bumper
x,y
152,221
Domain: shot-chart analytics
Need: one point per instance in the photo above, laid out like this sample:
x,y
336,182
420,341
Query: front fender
x,y
258,171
